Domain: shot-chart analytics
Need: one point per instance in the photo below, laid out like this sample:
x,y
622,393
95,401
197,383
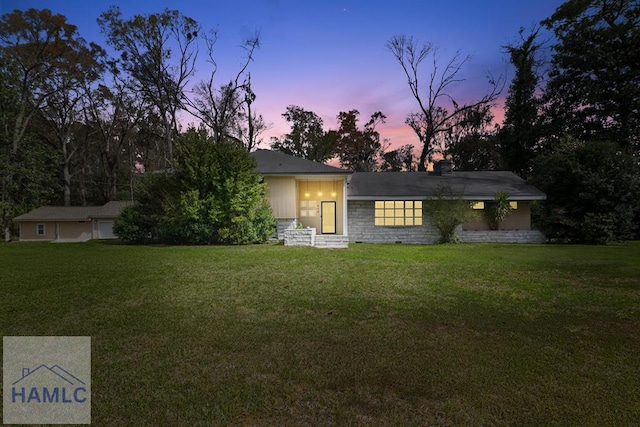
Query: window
x,y
478,205
514,205
40,230
308,208
398,212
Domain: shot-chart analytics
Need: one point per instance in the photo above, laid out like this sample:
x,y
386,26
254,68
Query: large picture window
x,y
398,212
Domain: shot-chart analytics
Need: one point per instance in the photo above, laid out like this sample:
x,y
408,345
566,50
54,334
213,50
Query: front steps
x,y
331,241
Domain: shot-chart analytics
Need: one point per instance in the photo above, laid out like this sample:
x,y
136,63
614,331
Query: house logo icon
x,y
46,380
48,384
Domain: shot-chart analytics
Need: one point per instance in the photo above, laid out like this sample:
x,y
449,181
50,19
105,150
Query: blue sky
x,y
330,56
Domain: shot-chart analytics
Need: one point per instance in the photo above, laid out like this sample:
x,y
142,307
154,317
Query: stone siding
x,y
300,237
502,236
284,224
362,229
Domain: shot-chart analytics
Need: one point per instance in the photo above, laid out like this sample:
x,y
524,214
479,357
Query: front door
x,y
328,213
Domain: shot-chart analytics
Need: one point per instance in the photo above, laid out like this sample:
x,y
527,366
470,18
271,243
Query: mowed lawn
x,y
371,335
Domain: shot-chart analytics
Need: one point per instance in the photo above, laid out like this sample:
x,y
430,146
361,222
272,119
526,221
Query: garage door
x,y
105,230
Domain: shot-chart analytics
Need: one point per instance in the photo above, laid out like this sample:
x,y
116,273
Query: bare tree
x,y
227,109
114,112
434,118
159,51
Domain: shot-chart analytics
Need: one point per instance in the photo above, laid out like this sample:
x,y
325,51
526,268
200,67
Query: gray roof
x,y
74,213
482,185
272,162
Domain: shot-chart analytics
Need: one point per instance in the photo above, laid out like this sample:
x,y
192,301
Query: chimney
x,y
443,167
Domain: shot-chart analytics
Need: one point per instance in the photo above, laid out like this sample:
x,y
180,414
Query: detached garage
x,y
69,223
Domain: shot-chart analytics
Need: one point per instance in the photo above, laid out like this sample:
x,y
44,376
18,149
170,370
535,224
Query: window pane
x,y
408,204
399,213
418,221
399,204
379,221
379,213
399,221
388,221
379,204
478,205
388,204
388,213
514,205
417,204
417,213
408,221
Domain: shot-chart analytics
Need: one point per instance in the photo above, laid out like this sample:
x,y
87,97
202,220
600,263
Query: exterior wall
x,y
61,231
362,227
321,191
502,236
281,194
29,231
519,219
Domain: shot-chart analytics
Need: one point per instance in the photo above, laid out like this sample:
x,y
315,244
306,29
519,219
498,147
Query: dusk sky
x,y
330,56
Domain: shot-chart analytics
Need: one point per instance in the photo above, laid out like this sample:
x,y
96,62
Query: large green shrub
x,y
212,194
593,192
446,211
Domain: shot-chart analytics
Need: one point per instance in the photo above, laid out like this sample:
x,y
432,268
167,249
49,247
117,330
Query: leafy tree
x,y
159,51
470,142
359,150
476,152
446,210
307,138
28,175
62,111
213,195
593,192
398,160
433,118
593,92
113,116
519,134
37,45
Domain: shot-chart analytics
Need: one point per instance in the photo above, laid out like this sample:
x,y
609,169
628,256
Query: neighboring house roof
x,y
272,162
73,213
482,185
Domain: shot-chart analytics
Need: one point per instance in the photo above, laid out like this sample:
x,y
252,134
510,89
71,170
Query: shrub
x,y
498,210
446,211
211,195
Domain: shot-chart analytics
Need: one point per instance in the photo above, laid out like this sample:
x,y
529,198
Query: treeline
x,y
79,122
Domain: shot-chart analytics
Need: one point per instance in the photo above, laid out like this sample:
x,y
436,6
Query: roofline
x,y
341,174
478,198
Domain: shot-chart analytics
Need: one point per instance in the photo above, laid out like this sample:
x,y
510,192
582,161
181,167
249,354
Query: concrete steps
x,y
331,241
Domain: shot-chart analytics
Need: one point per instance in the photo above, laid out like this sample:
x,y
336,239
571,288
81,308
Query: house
x,y
70,223
308,193
325,206
336,207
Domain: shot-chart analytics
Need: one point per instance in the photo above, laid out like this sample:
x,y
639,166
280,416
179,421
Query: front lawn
x,y
370,335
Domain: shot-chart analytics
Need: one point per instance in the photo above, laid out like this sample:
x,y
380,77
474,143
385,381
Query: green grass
x,y
372,335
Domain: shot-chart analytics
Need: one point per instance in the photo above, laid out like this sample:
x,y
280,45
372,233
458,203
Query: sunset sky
x,y
329,56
